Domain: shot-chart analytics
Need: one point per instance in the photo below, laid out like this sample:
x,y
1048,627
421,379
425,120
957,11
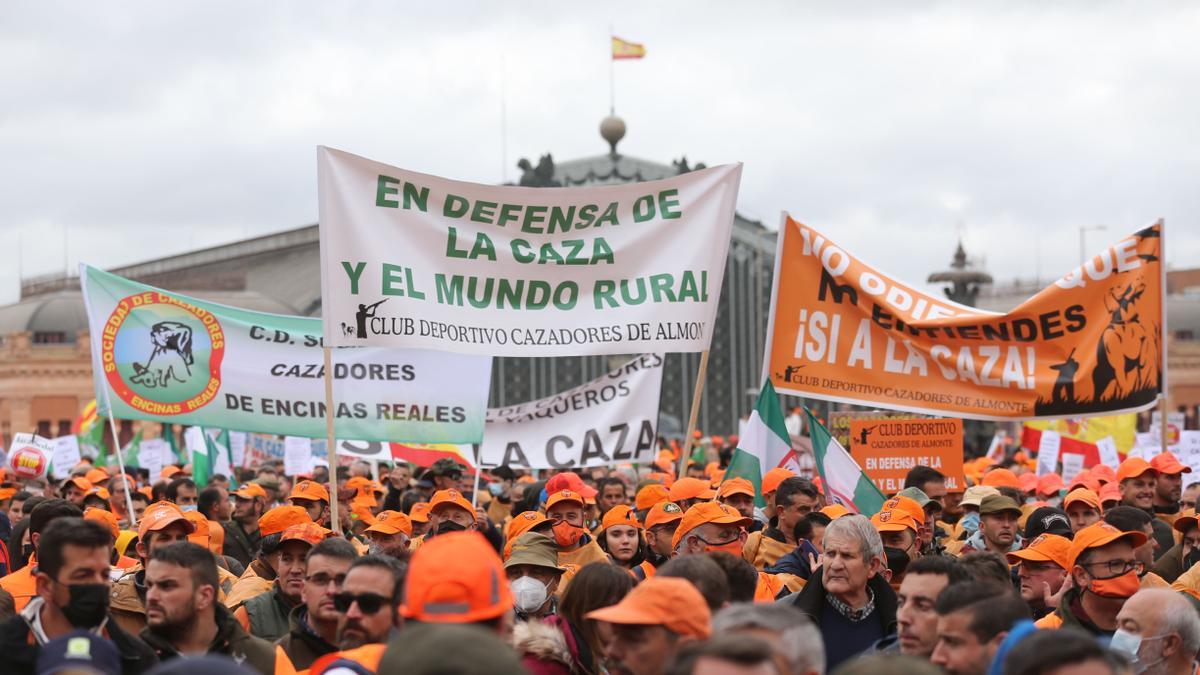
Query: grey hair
x,y
1178,616
800,639
859,528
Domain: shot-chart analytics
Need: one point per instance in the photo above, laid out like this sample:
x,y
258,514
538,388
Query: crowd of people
x,y
627,570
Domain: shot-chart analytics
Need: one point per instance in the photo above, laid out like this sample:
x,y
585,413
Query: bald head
x,y
1168,625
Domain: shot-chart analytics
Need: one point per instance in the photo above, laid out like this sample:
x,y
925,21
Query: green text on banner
x,y
412,260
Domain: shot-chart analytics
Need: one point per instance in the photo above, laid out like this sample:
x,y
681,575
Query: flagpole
x,y
112,426
612,96
1162,350
697,394
330,450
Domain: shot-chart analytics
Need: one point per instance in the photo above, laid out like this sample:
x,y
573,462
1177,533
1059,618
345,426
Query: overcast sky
x,y
138,130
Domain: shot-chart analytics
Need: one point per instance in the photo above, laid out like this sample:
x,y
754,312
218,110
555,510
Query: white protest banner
x,y
297,455
610,420
237,447
66,456
153,455
29,456
1189,455
1047,459
1175,424
170,358
1107,449
412,260
1072,464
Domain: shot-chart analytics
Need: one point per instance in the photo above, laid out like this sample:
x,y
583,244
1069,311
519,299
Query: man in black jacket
x,y
849,600
241,534
312,625
72,593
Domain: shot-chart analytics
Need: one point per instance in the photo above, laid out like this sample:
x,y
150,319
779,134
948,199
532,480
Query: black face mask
x,y
27,550
1191,559
87,606
449,526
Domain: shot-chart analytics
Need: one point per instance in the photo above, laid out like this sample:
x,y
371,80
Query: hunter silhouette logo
x,y
162,356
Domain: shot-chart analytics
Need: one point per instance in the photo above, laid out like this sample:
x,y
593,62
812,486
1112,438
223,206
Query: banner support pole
x,y
330,450
1162,350
697,394
112,427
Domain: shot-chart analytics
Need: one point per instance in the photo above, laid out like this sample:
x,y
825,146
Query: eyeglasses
x,y
322,580
1116,568
369,603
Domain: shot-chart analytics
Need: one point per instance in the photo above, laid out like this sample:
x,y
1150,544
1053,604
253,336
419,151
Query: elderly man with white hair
x,y
849,601
794,640
1159,630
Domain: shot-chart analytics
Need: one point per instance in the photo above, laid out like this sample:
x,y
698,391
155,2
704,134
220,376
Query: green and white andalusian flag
x,y
841,477
764,445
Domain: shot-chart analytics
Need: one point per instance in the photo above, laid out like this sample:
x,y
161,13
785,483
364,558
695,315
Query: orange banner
x,y
887,449
1090,343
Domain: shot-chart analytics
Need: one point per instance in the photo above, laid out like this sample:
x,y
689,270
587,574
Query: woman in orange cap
x,y
620,536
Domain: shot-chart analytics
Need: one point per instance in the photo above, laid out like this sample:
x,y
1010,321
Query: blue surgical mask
x,y
496,489
185,509
970,521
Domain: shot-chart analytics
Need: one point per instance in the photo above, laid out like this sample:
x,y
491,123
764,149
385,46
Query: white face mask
x,y
1129,644
529,594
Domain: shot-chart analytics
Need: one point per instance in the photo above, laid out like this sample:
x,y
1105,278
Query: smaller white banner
x,y
610,420
1047,460
153,455
29,456
66,456
1107,449
1072,464
237,447
297,455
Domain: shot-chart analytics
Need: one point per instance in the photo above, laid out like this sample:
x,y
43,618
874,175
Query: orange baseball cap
x,y
619,515
1028,482
1133,467
1045,548
168,471
309,533
359,483
456,578
419,513
1049,484
670,602
361,511
200,535
80,482
835,511
1166,462
281,518
1084,495
148,491
691,488
520,524
159,515
569,481
447,498
1182,524
7,493
564,496
1084,479
894,520
774,477
391,522
250,491
1110,493
98,491
907,504
718,477
735,486
711,469
312,490
1001,478
96,476
650,495
704,513
666,478
1104,473
108,519
663,513
1097,535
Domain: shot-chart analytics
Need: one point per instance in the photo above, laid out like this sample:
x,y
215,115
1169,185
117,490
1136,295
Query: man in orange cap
x,y
313,625
261,573
899,530
242,536
1082,507
739,494
575,546
648,496
999,478
1104,572
266,615
652,622
419,515
162,523
1168,489
794,499
1182,556
449,511
662,520
74,489
523,522
437,591
1138,481
687,491
389,534
1042,568
313,498
107,519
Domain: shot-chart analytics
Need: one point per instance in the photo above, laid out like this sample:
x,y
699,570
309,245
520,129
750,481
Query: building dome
x,y
54,317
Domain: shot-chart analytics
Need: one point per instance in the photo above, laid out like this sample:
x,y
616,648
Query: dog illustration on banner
x,y
171,358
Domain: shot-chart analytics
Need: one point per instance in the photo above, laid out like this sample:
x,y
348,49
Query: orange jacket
x,y
21,584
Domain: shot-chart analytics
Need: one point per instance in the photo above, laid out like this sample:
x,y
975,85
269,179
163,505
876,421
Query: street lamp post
x,y
1083,230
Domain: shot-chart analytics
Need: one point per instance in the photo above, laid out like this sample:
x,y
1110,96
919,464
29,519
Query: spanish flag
x,y
626,50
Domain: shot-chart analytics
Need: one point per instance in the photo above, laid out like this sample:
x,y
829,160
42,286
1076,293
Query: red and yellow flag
x,y
627,50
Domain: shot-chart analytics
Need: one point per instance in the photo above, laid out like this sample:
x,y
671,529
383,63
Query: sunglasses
x,y
368,603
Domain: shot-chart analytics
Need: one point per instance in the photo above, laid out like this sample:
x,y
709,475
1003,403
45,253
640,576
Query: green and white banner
x,y
418,261
170,358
